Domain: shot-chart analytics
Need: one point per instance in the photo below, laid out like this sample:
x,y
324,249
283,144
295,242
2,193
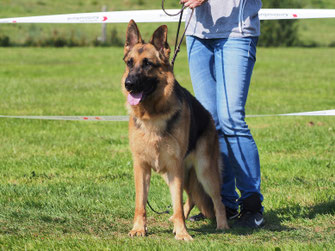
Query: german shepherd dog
x,y
169,132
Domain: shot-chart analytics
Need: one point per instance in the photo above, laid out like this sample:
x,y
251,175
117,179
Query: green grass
x,y
69,185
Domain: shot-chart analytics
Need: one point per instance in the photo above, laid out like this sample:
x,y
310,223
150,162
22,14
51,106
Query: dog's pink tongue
x,y
134,98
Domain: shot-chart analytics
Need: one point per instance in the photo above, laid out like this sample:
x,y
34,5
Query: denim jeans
x,y
220,72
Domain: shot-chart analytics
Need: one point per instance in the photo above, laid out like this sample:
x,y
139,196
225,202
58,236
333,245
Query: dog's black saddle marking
x,y
200,117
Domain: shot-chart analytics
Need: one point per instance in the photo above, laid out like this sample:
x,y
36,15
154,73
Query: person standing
x,y
221,44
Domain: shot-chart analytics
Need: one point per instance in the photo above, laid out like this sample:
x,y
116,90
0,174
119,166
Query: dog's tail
x,y
199,197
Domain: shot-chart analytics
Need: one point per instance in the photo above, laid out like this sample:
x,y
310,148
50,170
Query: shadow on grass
x,y
210,228
272,223
274,219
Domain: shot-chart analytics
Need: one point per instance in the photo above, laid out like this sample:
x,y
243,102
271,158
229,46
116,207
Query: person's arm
x,y
192,3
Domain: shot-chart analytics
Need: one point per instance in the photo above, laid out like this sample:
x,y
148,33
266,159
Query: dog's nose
x,y
129,84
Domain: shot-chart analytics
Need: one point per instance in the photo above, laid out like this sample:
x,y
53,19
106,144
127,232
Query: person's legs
x,y
201,65
234,62
221,71
202,70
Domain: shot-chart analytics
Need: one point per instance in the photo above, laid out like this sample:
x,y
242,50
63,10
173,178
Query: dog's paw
x,y
223,226
137,232
182,235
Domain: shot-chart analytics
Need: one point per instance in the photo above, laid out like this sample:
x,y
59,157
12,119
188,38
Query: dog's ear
x,y
133,36
159,40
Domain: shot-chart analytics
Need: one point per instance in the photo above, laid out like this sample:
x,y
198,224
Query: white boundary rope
x,y
315,113
73,118
145,16
126,118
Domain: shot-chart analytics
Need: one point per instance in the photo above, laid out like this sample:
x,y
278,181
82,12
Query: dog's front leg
x,y
175,178
142,176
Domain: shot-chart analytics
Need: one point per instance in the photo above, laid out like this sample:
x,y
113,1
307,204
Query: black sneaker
x,y
250,219
197,217
251,215
231,214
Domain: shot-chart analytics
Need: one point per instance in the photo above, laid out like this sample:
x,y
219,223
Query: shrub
x,y
4,41
332,44
115,39
280,32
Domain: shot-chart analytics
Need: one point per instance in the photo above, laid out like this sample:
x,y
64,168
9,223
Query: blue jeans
x,y
220,72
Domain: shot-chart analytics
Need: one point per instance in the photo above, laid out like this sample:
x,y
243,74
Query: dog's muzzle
x,y
133,84
139,87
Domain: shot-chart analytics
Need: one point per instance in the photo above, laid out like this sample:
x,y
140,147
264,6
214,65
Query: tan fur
x,y
153,148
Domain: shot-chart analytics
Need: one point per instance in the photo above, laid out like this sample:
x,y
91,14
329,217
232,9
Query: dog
x,y
171,133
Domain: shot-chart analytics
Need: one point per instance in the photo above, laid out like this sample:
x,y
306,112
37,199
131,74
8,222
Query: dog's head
x,y
147,64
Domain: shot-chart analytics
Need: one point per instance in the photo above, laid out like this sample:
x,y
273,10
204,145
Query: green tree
x,y
279,32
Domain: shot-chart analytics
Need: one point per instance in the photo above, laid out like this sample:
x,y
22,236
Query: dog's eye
x,y
130,63
146,62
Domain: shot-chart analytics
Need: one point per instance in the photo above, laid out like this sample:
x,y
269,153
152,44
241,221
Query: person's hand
x,y
192,3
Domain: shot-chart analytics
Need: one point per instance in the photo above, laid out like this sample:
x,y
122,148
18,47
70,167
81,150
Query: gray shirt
x,y
225,18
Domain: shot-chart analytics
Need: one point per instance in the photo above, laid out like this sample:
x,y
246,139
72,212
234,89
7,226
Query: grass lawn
x,y
69,185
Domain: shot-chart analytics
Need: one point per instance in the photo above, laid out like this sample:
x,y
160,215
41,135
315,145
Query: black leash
x,y
177,45
163,212
176,50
